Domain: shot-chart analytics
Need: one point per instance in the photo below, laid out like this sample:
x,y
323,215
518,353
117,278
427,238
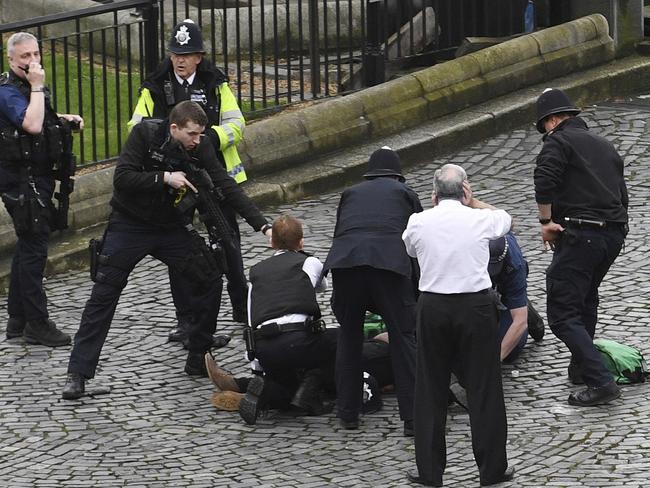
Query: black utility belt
x,y
580,223
274,329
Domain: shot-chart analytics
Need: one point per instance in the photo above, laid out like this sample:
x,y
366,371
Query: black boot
x,y
44,332
252,403
308,397
15,327
195,365
179,333
75,387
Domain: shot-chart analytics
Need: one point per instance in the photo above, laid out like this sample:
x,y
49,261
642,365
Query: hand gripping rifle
x,y
64,172
207,202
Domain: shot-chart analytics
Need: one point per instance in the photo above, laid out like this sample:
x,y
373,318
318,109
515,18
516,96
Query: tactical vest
x,y
281,287
42,150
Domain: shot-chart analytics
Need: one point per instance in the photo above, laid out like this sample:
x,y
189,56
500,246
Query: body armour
x,y
42,150
281,287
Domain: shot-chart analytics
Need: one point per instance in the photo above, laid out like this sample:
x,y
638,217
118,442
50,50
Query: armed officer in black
x,y
33,141
582,198
186,75
149,183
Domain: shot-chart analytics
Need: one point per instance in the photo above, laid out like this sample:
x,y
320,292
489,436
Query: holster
x,y
26,210
249,340
95,249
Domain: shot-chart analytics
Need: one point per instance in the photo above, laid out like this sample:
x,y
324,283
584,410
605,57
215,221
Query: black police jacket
x,y
580,174
139,190
371,218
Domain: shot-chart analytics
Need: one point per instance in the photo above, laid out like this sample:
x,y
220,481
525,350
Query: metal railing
x,y
93,62
276,52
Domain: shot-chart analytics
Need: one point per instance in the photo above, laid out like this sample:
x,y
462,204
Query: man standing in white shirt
x,y
457,326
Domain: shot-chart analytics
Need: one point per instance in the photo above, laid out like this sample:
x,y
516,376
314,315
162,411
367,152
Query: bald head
x,y
448,182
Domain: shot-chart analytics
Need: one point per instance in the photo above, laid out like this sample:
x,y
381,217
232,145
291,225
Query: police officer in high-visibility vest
x,y
186,75
34,140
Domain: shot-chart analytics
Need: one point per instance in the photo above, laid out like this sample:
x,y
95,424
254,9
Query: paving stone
x,y
157,428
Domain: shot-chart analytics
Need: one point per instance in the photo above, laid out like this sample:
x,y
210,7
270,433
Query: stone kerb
x,y
432,92
295,138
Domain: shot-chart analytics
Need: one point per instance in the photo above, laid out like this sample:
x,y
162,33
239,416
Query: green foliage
x,y
97,94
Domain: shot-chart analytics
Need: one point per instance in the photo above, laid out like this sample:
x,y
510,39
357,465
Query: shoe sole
x,y
248,408
14,335
228,401
600,401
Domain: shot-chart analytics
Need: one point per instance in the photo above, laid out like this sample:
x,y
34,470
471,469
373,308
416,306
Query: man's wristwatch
x,y
544,221
265,227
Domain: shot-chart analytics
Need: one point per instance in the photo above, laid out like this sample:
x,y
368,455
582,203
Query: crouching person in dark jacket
x,y
150,183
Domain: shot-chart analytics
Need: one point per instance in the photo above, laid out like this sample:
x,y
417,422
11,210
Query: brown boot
x,y
227,400
221,378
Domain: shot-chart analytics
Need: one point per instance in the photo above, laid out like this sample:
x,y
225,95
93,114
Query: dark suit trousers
x,y
357,290
459,331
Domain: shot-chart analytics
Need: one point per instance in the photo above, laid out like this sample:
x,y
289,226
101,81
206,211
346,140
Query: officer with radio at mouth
x,y
582,199
36,147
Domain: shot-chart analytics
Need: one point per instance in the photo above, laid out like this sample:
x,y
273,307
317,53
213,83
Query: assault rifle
x,y
64,172
207,202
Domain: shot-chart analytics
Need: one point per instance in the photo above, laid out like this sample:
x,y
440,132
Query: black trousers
x,y
26,299
126,243
357,290
581,260
237,287
459,331
287,357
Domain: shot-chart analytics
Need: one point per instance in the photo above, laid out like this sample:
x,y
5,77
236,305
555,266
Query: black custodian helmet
x,y
186,38
553,101
384,162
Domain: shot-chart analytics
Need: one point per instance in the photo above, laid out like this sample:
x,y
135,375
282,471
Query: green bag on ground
x,y
373,325
626,363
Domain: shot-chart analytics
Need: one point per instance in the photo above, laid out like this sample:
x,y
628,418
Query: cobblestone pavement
x,y
157,427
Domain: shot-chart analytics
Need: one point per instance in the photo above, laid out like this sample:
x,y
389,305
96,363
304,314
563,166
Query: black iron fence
x,y
276,52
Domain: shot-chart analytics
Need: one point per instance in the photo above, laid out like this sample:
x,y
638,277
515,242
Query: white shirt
x,y
190,79
451,244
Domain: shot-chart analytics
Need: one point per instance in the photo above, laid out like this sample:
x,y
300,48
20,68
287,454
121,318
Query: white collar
x,y
190,79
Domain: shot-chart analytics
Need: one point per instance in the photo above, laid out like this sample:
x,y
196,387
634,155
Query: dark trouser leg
x,y
125,249
26,294
394,298
579,264
283,356
349,307
478,351
202,293
237,288
180,295
435,352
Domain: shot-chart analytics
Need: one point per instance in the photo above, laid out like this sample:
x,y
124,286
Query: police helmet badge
x,y
182,36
